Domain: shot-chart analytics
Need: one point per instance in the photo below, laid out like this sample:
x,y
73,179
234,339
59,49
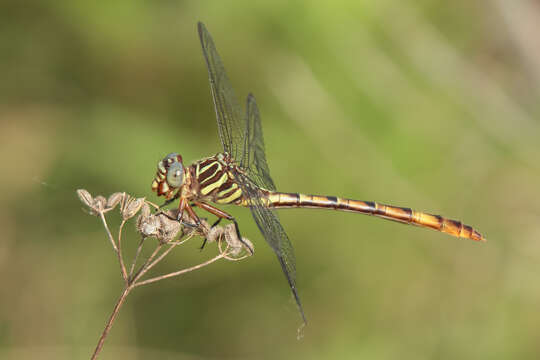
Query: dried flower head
x,y
130,206
237,249
114,199
85,197
215,234
100,203
97,205
162,226
165,227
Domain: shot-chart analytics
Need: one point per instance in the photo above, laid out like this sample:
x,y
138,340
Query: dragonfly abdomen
x,y
399,214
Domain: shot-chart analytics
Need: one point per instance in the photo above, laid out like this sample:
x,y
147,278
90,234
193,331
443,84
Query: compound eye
x,y
175,175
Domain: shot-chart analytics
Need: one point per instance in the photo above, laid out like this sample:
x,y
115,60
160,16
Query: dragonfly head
x,y
170,175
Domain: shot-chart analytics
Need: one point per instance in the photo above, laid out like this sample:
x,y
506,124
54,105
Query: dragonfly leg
x,y
185,223
167,202
180,213
211,227
181,207
192,215
223,215
216,223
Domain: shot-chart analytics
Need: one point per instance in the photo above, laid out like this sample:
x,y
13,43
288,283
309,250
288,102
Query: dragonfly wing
x,y
228,112
254,158
274,234
258,175
242,139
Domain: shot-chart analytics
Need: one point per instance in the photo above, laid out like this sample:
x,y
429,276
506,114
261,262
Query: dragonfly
x,y
240,176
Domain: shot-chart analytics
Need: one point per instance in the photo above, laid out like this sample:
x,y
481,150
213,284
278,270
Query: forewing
x,y
254,157
274,234
228,113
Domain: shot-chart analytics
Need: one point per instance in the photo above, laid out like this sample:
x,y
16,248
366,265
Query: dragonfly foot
x,y
167,202
246,245
203,244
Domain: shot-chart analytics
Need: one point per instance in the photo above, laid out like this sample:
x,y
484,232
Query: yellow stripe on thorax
x,y
208,189
229,199
200,170
223,192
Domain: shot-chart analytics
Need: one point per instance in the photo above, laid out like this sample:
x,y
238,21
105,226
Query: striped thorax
x,y
215,179
210,179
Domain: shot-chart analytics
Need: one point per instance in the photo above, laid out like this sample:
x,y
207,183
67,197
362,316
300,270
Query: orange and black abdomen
x,y
403,215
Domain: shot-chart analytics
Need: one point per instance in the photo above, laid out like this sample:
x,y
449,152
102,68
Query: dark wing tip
x,y
251,103
202,29
249,100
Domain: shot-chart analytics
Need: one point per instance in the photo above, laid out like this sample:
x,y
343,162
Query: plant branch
x,y
164,227
180,272
108,231
136,257
110,322
172,246
119,252
144,266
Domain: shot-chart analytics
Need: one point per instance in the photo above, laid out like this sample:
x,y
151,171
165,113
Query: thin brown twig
x,y
180,272
156,206
119,252
173,245
136,257
142,270
110,322
108,231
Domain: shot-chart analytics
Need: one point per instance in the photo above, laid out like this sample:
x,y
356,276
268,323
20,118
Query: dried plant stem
x,y
119,252
172,246
144,268
111,239
180,272
116,309
151,265
133,284
136,257
162,226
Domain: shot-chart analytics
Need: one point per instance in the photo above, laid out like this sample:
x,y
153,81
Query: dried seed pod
x,y
114,199
214,234
169,228
131,207
163,227
85,197
236,246
99,204
145,211
149,226
143,220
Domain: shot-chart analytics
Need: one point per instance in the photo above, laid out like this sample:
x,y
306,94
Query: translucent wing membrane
x,y
274,234
228,113
254,159
243,140
258,175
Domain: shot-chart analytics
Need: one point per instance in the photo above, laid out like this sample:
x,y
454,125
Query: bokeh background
x,y
428,104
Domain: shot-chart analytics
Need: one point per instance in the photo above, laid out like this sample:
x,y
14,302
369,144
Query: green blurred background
x,y
428,104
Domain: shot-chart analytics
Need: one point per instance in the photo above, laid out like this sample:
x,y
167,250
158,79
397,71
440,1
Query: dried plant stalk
x,y
164,227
